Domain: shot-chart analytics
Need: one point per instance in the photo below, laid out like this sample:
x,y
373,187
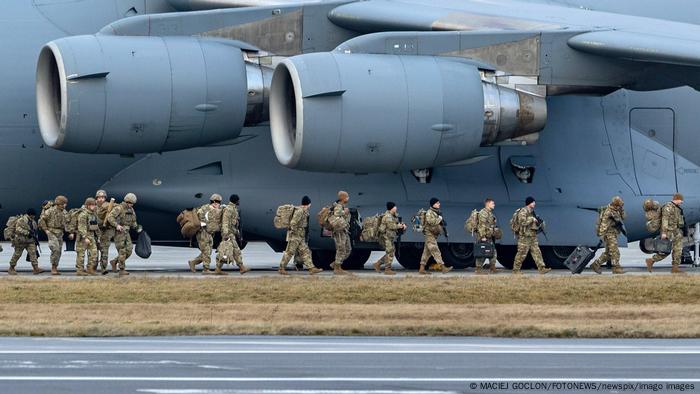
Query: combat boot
x,y
218,271
54,270
206,271
517,272
477,268
389,271
314,270
650,264
492,267
445,269
543,270
11,271
80,272
597,268
676,269
282,270
242,269
377,266
91,270
36,270
113,263
617,270
338,270
193,265
123,272
422,270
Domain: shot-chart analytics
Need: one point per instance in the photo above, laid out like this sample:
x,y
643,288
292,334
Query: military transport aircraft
x,y
569,101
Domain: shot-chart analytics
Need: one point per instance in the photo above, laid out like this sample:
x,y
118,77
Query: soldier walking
x,y
86,240
230,233
611,222
107,232
54,221
528,225
487,230
388,229
672,224
123,219
24,238
298,238
433,226
210,219
341,233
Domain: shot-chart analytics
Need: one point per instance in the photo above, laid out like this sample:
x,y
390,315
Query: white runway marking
x,y
339,379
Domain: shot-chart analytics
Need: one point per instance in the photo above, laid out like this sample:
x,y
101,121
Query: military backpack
x,y
10,228
652,213
283,216
371,227
324,216
600,228
189,223
515,226
418,220
472,223
72,225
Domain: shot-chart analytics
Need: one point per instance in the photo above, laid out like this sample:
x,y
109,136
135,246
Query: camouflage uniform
x,y
124,215
527,241
229,250
672,223
297,235
341,236
54,222
211,217
107,233
486,229
23,241
88,229
387,238
610,230
432,229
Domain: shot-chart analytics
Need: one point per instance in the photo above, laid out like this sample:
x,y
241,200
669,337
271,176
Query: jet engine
x,y
374,113
109,94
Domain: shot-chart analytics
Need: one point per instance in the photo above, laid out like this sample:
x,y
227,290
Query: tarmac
x,y
172,261
344,365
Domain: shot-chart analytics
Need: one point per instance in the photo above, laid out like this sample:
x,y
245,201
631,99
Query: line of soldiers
x,y
93,227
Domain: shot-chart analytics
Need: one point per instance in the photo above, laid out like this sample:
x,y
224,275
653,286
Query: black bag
x,y
579,259
485,250
662,246
143,245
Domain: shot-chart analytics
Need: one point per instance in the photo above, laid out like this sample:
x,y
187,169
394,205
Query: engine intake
x,y
375,113
110,94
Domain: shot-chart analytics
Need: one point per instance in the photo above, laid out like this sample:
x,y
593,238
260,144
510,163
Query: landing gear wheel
x,y
458,255
357,259
506,257
409,256
323,258
554,256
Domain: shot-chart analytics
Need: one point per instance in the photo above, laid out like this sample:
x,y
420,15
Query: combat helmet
x,y
101,193
60,200
130,197
215,197
90,201
617,202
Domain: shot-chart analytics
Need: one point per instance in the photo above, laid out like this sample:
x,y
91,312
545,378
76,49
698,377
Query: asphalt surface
x,y
172,261
339,365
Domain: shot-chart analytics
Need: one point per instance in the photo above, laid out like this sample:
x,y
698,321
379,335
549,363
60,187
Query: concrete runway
x,y
172,261
340,365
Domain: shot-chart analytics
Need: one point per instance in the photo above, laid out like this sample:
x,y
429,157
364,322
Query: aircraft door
x,y
652,133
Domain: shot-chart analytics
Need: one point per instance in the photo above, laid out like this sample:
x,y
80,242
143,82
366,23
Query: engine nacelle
x,y
376,113
110,94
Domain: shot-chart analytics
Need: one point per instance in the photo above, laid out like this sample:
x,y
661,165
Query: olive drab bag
x,y
652,213
418,220
515,225
283,216
324,216
10,228
371,228
72,226
189,223
600,223
470,226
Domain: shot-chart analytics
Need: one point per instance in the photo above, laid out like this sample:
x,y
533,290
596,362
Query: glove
x,y
202,224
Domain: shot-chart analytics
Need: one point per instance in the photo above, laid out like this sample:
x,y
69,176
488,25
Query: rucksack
x,y
371,228
213,218
72,226
599,230
652,213
472,223
189,223
323,217
515,224
418,220
283,216
10,228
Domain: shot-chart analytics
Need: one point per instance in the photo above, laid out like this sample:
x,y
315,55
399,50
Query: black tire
x,y
323,258
458,255
554,256
506,257
357,259
409,256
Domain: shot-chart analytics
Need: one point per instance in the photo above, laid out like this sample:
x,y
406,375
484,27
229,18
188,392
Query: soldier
x,y
86,241
672,223
230,232
122,219
54,221
298,238
24,238
432,228
486,230
210,220
528,227
610,228
106,231
388,229
341,234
